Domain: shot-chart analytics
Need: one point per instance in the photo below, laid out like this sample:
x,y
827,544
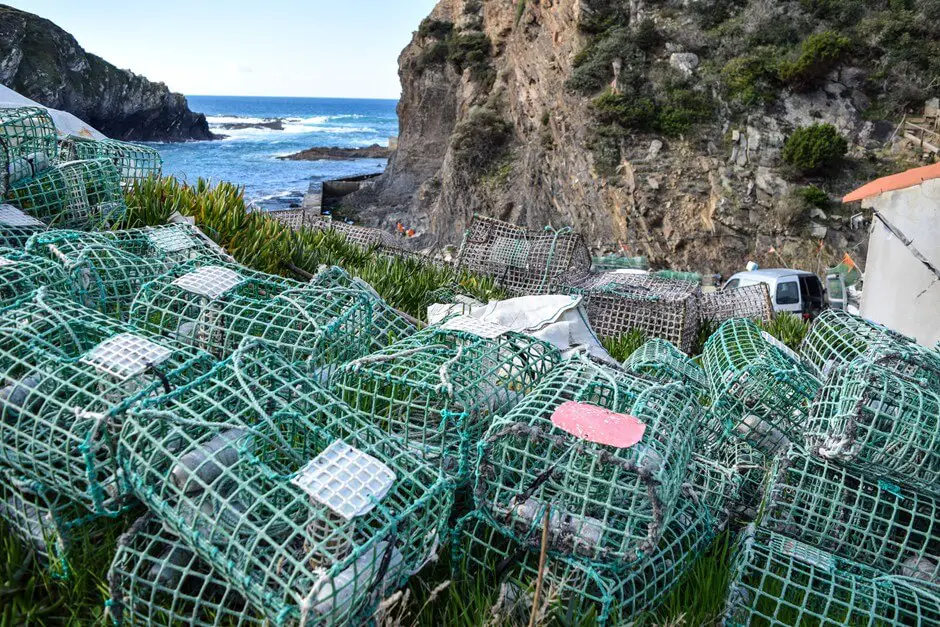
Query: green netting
x,y
21,274
16,227
77,194
215,307
437,391
760,390
27,144
868,520
134,162
305,509
156,579
881,421
678,275
780,581
837,338
609,504
619,262
574,590
660,360
177,242
67,374
729,479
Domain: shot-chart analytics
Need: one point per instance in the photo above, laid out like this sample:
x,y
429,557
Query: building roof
x,y
903,180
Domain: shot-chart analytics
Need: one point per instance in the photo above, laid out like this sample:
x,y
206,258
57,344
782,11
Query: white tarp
x,y
65,123
558,320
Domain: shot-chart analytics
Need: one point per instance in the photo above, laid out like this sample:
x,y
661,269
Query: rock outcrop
x,y
335,153
671,144
43,62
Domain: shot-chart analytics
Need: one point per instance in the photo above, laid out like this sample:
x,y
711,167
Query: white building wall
x,y
900,291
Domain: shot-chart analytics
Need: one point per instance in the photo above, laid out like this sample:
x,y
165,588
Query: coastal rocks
x,y
685,62
43,62
374,151
270,125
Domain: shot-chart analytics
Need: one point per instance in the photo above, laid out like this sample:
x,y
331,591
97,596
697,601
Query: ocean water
x,y
248,157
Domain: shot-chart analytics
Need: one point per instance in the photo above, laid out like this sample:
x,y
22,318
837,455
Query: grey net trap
x,y
612,479
760,390
879,420
661,308
781,581
22,274
437,391
750,301
869,520
134,162
17,227
67,374
575,590
216,307
522,261
27,144
77,194
309,512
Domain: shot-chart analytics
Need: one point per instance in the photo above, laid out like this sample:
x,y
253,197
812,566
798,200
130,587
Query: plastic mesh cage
x,y
27,144
177,242
617,303
308,512
216,307
77,194
389,325
760,391
879,420
837,338
780,581
134,162
437,391
750,301
610,499
619,262
871,521
156,579
67,374
16,227
580,588
21,274
728,478
522,262
660,360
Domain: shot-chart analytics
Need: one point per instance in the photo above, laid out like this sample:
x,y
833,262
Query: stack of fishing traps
x,y
851,526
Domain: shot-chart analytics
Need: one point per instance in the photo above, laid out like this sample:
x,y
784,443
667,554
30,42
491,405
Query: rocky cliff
x,y
43,62
662,125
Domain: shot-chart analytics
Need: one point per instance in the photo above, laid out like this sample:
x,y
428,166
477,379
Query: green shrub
x,y
437,29
592,69
625,110
787,328
752,79
604,142
620,348
840,12
815,148
819,54
480,141
598,16
648,37
814,196
682,109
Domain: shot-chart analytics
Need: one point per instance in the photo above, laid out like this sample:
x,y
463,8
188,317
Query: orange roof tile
x,y
903,180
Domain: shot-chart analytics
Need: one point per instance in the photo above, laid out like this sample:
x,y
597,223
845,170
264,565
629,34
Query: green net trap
x,y
77,194
215,307
67,375
619,262
760,390
17,227
750,301
879,420
864,519
523,262
21,274
155,579
27,144
612,479
436,392
781,581
573,589
660,360
134,162
305,509
728,478
618,303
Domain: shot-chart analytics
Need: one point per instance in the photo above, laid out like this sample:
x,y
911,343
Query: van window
x,y
812,290
788,293
732,284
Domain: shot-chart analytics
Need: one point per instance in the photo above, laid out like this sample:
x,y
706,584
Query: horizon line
x,y
295,97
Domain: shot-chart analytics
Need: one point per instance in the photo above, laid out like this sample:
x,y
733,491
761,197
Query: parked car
x,y
796,291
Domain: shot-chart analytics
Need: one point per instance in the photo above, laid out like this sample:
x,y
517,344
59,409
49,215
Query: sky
x,y
312,48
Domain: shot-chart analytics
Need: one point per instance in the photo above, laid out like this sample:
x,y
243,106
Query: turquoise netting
x,y
16,227
22,274
27,144
660,360
134,162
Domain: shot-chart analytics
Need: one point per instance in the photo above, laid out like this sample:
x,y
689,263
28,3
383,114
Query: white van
x,y
796,291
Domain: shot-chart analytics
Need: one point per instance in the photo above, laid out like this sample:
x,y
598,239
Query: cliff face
x,y
656,124
43,62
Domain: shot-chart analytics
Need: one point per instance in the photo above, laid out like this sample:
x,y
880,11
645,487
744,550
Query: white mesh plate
x,y
210,281
6,262
11,216
345,479
481,328
125,355
783,348
170,240
804,552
